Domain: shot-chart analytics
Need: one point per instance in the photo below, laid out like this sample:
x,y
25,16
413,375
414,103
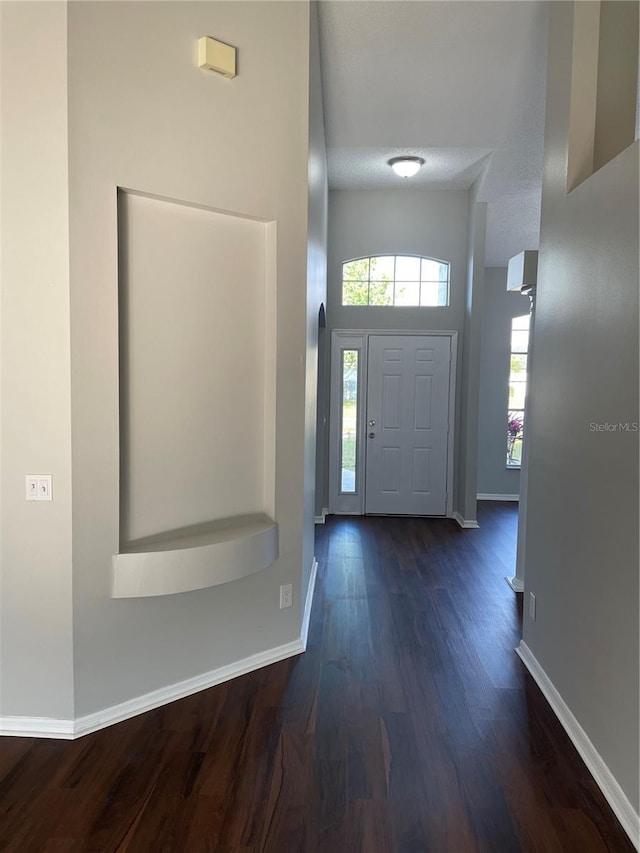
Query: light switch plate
x,y
39,487
286,595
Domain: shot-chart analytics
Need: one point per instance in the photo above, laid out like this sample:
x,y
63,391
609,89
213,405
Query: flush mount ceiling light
x,y
406,167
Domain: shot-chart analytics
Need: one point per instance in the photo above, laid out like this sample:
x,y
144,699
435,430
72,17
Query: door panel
x,y
391,399
423,390
421,469
407,443
390,470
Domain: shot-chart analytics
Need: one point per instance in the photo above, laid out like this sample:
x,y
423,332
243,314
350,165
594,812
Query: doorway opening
x,y
391,422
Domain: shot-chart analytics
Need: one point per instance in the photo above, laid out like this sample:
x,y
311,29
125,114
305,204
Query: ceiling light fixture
x,y
406,167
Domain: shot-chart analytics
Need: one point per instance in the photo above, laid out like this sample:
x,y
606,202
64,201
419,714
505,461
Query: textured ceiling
x,y
461,84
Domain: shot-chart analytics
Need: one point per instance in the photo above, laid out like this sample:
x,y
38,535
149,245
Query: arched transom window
x,y
395,280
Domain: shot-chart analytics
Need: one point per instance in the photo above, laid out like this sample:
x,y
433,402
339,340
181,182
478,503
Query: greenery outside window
x,y
349,420
395,280
517,389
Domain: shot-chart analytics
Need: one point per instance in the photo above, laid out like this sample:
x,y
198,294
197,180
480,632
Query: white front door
x,y
407,424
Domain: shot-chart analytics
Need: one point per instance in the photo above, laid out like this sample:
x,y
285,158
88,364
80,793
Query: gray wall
x,y
150,121
410,221
467,417
317,281
499,309
617,80
36,668
194,291
156,127
581,557
406,220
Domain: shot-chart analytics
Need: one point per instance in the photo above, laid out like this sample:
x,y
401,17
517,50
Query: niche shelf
x,y
195,557
196,337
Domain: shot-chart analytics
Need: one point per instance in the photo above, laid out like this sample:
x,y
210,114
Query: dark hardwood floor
x,y
408,726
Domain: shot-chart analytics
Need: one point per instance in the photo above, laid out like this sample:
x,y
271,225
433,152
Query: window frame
x,y
517,411
395,282
356,352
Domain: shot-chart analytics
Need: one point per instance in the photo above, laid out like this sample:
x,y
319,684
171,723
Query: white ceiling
x,y
461,84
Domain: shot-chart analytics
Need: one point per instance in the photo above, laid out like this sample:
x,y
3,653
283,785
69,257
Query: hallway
x,y
408,726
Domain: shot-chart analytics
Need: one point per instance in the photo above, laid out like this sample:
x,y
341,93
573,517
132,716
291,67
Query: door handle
x,y
372,435
372,423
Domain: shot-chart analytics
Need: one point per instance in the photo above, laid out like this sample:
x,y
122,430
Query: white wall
x,y
152,122
36,665
581,557
405,221
499,309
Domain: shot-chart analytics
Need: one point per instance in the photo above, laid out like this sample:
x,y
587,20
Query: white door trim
x,y
353,504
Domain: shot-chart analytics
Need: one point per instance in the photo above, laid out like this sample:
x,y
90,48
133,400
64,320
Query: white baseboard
x,y
606,781
516,583
320,519
306,616
465,523
496,497
37,727
71,729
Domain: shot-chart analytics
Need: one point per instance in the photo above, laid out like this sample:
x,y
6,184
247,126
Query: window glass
x,y
395,280
381,293
517,389
355,293
430,293
407,293
382,268
521,323
407,269
518,368
356,270
519,341
434,270
348,443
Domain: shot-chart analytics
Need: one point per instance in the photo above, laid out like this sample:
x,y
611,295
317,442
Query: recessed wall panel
x,y
192,290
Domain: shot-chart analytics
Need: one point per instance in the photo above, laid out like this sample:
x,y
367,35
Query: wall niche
x,y
197,396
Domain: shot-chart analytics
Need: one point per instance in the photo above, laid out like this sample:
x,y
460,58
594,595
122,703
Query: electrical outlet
x,y
39,487
532,607
286,595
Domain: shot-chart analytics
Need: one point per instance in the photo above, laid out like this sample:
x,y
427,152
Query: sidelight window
x,y
517,389
349,421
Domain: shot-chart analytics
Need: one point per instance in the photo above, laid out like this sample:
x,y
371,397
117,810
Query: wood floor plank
x,y
408,726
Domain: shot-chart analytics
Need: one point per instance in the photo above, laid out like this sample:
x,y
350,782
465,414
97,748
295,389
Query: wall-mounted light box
x,y
522,271
214,55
